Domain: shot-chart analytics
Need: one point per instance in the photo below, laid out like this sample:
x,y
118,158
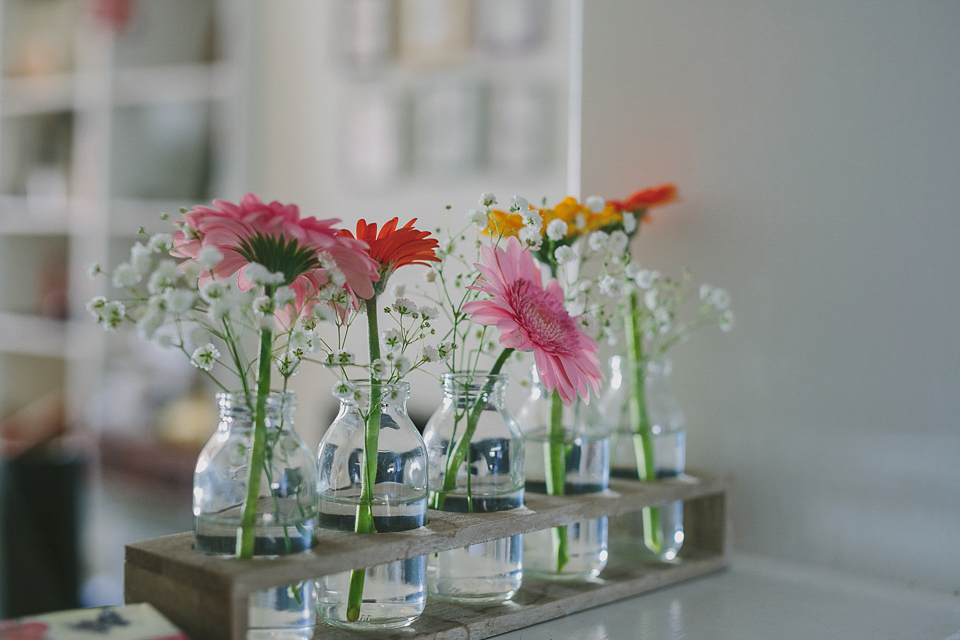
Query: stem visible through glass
x,y
248,519
556,473
459,454
642,435
371,445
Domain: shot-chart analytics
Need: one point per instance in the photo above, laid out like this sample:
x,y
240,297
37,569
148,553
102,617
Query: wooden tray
x,y
207,596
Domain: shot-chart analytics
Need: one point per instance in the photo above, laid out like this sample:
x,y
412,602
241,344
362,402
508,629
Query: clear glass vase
x,y
475,453
393,594
285,513
567,453
655,533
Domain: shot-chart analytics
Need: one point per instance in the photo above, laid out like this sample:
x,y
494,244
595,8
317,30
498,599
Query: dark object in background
x,y
40,519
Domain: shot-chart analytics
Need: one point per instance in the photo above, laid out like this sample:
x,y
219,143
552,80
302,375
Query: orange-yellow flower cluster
x,y
579,218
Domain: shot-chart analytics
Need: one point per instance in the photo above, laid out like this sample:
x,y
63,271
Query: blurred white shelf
x,y
20,215
33,335
174,83
37,94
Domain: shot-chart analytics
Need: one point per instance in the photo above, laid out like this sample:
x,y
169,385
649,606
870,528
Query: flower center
x,y
543,317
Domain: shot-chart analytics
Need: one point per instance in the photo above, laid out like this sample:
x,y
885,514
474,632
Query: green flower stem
x,y
371,435
459,454
642,436
248,519
556,475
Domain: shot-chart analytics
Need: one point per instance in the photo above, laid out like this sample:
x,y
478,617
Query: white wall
x,y
817,150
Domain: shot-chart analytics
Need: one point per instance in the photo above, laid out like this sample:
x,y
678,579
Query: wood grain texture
x,y
206,595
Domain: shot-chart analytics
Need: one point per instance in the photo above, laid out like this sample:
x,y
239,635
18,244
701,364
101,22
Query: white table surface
x,y
762,599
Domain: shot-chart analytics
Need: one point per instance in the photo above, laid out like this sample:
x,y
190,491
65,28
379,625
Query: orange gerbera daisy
x,y
393,248
640,201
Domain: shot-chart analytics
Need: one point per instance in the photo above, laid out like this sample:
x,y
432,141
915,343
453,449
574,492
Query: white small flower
x,y
598,240
530,238
401,366
283,296
629,223
288,364
160,242
94,270
519,203
645,278
430,275
403,306
618,241
580,221
477,217
192,270
488,199
344,390
165,276
267,322
336,276
632,269
204,357
578,305
343,357
564,254
662,316
125,276
398,290
557,230
532,219
214,290
390,339
706,293
263,304
341,298
429,313
179,301
96,306
589,323
726,321
113,314
361,397
152,320
141,258
379,369
259,274
209,257
304,341
220,308
595,204
394,393
611,286
444,349
650,299
431,354
721,299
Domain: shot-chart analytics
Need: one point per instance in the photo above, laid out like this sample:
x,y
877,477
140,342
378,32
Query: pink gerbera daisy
x,y
275,236
531,318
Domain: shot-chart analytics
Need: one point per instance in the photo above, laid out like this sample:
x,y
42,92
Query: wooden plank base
x,y
207,596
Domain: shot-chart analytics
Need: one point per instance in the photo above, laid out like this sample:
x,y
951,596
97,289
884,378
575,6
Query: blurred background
x,y
816,147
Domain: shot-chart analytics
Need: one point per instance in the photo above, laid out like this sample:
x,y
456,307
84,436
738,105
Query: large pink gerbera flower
x,y
531,318
275,236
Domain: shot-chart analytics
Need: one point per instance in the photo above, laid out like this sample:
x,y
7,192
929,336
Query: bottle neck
x,y
464,389
239,409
